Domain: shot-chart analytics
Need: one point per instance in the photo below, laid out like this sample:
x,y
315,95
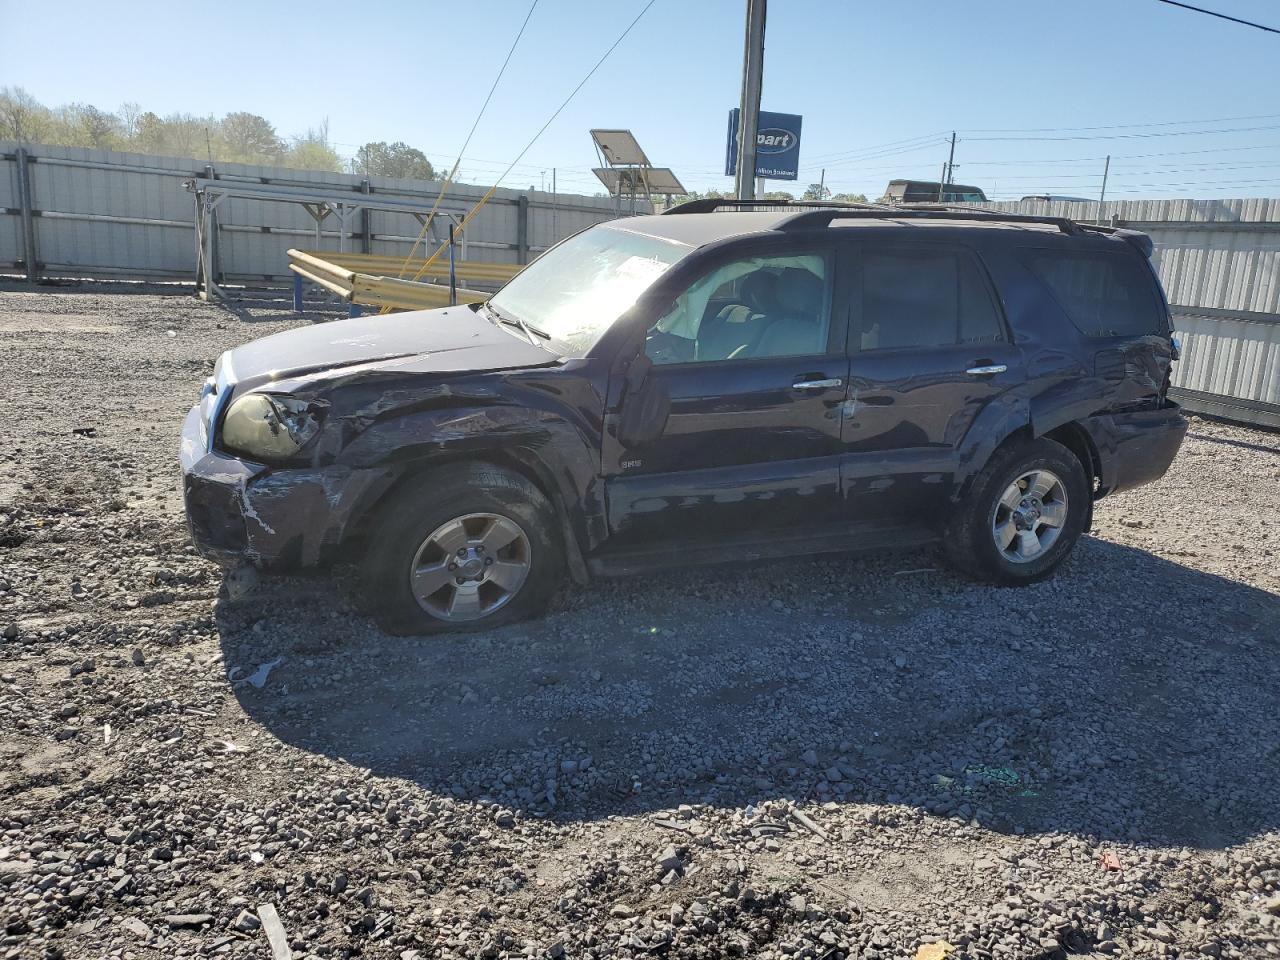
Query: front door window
x,y
747,309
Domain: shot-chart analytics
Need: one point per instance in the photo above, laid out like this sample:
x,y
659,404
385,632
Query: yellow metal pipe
x,y
316,264
335,288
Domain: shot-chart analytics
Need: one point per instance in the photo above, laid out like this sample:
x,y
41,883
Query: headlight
x,y
263,426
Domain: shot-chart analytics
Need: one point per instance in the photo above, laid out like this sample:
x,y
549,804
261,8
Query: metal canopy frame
x,y
626,170
320,204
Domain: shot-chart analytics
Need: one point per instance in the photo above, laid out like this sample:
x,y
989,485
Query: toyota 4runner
x,y
723,382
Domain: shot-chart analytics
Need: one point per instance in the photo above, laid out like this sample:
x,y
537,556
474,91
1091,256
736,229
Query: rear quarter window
x,y
1103,295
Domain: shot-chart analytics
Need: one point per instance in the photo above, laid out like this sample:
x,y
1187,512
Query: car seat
x,y
735,328
796,328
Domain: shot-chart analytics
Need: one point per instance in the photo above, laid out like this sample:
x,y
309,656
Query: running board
x,y
843,538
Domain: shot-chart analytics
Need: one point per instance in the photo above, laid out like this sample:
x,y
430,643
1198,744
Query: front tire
x,y
1023,515
469,546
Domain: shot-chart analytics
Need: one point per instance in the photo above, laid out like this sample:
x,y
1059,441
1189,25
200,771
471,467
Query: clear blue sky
x,y
862,72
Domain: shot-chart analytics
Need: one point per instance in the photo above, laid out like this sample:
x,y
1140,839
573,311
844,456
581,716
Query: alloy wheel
x,y
470,567
1030,515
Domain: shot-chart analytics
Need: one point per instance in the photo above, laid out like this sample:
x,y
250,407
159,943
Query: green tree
x,y
779,195
393,160
248,138
817,191
850,197
183,135
84,125
709,195
148,135
312,151
129,114
22,117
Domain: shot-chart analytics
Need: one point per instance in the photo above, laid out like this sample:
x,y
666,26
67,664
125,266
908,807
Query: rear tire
x,y
1023,515
469,546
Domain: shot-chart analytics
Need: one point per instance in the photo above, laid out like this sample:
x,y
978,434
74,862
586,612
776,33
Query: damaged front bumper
x,y
239,511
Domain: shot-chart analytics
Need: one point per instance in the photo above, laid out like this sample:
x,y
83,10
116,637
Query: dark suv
x,y
717,383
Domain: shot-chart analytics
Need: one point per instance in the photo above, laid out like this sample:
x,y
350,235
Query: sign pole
x,y
453,271
1106,169
752,81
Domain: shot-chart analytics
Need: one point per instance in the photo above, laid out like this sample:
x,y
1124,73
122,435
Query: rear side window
x,y
924,298
1104,295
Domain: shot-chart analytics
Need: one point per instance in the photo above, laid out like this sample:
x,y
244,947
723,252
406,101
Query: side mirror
x,y
645,405
637,372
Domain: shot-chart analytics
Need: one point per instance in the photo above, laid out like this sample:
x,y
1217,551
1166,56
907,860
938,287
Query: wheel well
x,y
1076,439
497,458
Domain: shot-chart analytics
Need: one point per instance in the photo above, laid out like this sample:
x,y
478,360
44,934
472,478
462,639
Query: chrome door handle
x,y
987,371
817,384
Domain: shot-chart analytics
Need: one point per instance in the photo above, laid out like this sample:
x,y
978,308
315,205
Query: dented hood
x,y
452,339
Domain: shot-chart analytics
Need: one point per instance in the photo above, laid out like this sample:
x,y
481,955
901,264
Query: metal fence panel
x,y
1219,262
10,224
111,213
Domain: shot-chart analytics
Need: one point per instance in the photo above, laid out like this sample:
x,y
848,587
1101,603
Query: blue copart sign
x,y
777,146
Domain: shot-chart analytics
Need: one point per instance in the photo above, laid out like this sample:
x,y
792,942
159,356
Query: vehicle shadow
x,y
1130,698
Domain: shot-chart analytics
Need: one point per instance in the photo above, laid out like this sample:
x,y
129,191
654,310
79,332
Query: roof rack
x,y
711,204
820,213
822,218
960,208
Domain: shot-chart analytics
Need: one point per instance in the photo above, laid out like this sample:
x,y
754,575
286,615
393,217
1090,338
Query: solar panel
x,y
619,147
639,180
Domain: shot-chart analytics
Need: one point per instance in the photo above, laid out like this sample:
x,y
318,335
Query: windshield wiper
x,y
525,327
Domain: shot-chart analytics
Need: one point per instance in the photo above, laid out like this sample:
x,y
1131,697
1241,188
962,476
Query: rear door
x,y
750,442
1113,298
929,350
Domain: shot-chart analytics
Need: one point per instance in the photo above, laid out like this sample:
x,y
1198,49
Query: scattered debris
x,y
804,821
274,930
258,678
187,921
938,950
136,926
85,431
1110,861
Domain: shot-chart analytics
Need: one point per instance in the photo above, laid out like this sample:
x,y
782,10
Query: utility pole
x,y
749,113
1106,169
951,160
822,185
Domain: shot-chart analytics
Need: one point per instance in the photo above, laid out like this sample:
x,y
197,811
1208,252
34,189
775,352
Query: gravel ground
x,y
818,759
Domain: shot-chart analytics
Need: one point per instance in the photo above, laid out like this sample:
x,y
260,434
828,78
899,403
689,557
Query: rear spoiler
x,y
1135,238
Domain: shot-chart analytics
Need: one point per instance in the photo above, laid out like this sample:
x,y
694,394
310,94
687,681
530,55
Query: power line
x,y
1128,156
574,92
453,172
872,148
1131,136
1124,126
1221,16
485,106
882,156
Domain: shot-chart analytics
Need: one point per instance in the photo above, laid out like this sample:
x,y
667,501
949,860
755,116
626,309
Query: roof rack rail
x,y
822,218
1082,224
711,204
